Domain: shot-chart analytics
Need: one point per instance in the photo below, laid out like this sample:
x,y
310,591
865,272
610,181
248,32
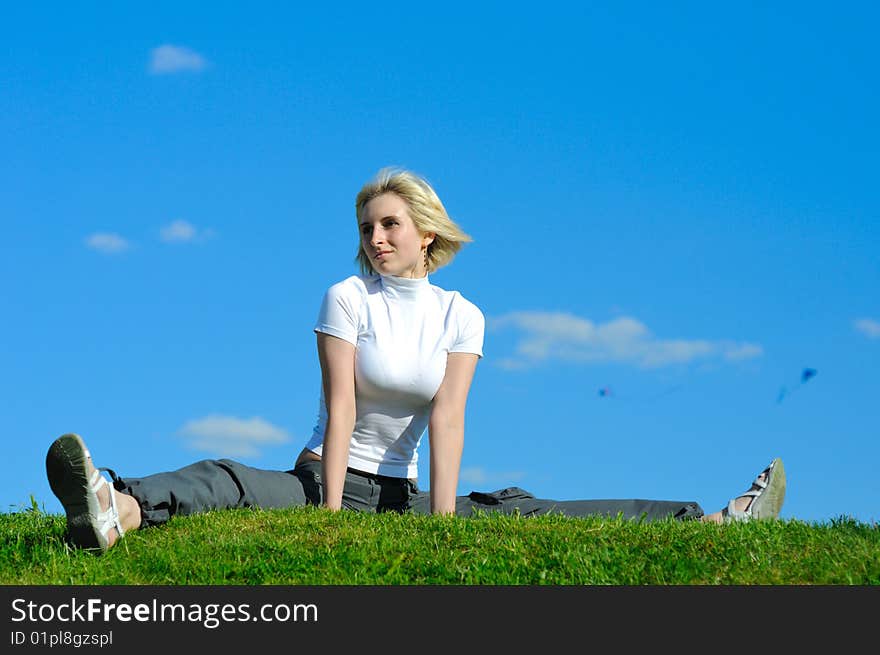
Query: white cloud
x,y
167,59
178,231
560,336
869,327
228,436
107,242
183,232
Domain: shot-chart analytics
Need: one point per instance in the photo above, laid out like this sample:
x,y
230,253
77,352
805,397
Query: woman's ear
x,y
428,238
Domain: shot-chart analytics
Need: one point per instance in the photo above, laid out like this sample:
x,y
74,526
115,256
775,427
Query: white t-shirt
x,y
403,329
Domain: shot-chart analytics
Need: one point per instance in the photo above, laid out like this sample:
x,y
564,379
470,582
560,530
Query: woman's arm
x,y
446,430
337,375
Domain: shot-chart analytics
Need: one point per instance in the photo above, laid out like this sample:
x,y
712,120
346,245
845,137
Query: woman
x,y
397,357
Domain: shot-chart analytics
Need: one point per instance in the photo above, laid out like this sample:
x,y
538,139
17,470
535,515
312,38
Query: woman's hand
x,y
337,375
446,430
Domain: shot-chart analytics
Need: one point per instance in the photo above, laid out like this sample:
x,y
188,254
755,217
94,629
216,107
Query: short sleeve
x,y
338,316
472,326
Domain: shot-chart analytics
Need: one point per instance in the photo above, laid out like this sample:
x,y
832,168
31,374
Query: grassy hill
x,y
311,546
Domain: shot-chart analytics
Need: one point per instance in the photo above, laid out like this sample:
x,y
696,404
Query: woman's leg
x,y
517,501
627,508
514,500
96,519
763,500
210,485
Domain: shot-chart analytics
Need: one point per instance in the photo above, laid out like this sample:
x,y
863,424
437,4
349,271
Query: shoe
x,y
88,526
767,499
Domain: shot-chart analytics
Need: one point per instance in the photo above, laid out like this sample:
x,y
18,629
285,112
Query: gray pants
x,y
225,484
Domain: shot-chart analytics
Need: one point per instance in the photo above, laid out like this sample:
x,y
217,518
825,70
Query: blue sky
x,y
675,203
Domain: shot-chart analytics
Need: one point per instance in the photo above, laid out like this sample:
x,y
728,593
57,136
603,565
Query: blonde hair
x,y
427,213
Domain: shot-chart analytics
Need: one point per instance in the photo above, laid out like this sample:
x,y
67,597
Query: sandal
x,y
88,526
767,499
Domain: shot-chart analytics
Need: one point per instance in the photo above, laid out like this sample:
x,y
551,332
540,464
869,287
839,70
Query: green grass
x,y
311,546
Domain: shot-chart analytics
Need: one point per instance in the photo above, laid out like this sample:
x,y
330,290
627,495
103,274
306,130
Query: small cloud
x,y
183,232
229,436
737,352
561,336
511,364
108,243
168,59
479,476
869,327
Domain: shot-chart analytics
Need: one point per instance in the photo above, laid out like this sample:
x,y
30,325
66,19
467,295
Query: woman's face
x,y
390,239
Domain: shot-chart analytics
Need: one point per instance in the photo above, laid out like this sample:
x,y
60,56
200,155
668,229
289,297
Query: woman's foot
x,y
97,515
763,500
